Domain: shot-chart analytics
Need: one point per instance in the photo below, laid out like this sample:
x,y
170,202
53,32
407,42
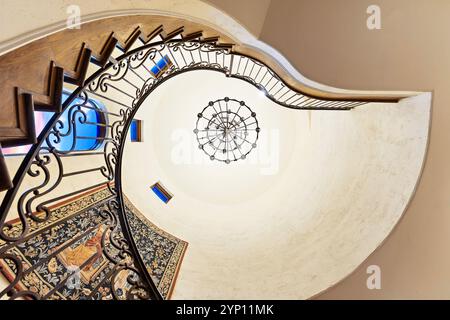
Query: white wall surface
x,y
344,180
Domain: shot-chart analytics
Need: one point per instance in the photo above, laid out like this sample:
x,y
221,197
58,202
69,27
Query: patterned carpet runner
x,y
72,238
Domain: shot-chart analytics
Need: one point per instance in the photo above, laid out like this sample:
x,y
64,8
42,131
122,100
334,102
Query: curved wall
x,y
410,51
343,182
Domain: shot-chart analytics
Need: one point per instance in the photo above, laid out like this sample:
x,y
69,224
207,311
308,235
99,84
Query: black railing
x,y
122,86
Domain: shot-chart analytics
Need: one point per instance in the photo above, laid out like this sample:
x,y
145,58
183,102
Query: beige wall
x,y
249,13
329,42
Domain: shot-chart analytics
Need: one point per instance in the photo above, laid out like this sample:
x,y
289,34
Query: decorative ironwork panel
x,y
122,86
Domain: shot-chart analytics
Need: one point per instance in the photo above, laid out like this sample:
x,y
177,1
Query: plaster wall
x,y
330,42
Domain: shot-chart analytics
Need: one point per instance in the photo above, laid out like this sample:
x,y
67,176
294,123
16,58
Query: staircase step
x,y
173,34
29,126
52,101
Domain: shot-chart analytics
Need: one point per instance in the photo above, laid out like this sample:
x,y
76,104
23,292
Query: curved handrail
x,y
124,85
273,86
225,26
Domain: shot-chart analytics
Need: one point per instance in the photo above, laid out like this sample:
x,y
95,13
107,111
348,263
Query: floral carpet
x,y
74,237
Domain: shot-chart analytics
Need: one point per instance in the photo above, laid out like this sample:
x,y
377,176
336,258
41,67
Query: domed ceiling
x,y
315,195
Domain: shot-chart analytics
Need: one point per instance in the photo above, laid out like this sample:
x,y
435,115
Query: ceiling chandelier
x,y
227,130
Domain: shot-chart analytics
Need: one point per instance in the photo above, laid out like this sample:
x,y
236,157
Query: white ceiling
x,y
322,191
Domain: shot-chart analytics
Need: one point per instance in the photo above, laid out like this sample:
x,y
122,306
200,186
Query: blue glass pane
x,y
134,130
160,195
162,65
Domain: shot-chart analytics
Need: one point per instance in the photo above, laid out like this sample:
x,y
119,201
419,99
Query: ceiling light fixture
x,y
227,130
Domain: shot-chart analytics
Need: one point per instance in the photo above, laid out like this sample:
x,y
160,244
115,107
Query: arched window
x,y
136,130
87,131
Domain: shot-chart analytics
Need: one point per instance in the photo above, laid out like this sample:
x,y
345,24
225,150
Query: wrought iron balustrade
x,y
48,169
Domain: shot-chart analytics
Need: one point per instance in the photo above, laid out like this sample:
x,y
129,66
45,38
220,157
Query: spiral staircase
x,y
122,75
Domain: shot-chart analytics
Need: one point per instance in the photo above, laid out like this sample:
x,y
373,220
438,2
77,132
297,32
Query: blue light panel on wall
x,y
161,192
161,66
86,127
